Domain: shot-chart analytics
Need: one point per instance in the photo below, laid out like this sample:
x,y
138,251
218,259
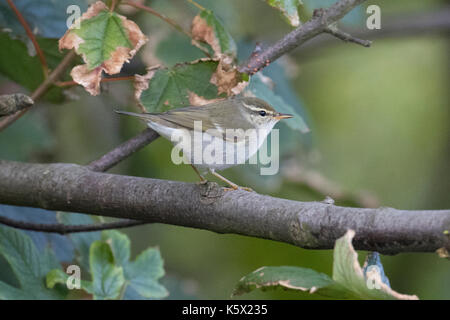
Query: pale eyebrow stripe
x,y
256,109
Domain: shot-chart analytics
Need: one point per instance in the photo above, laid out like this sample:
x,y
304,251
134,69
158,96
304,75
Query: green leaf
x,y
120,246
29,136
177,47
29,266
102,35
208,28
107,278
82,241
17,64
57,276
290,278
113,274
105,40
348,273
260,86
348,279
144,272
169,88
289,9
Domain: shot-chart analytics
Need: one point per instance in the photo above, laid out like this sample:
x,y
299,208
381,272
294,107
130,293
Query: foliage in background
x,y
104,258
348,282
113,275
18,65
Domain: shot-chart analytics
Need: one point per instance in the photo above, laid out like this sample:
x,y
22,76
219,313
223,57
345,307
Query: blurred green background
x,y
379,119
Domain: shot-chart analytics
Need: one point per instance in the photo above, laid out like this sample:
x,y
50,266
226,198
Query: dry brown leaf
x,y
141,83
196,100
89,79
202,32
227,79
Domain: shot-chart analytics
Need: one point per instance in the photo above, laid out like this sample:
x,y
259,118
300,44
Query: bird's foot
x,y
236,187
202,182
233,186
247,189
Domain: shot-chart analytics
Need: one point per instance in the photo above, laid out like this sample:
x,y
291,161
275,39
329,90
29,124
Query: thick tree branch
x,y
314,225
319,23
106,162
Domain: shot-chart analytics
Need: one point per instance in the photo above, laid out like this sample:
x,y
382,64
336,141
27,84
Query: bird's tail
x,y
143,116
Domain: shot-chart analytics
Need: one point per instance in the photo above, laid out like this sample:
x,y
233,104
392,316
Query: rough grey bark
x,y
314,225
11,103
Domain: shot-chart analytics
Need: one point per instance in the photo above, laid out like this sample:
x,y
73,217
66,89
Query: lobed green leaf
x,y
29,266
102,35
169,88
107,278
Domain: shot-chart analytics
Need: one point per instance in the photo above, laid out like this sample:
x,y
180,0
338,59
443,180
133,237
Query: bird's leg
x,y
202,179
233,186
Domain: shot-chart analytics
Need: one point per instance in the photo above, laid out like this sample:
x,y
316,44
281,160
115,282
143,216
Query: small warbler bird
x,y
234,129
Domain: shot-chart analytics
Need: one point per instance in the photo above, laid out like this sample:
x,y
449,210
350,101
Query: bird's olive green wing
x,y
213,118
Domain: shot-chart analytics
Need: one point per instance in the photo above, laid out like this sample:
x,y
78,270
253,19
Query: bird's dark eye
x,y
262,113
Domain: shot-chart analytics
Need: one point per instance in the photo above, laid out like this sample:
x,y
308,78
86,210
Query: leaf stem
x,y
123,290
197,5
113,5
31,36
169,21
73,83
157,14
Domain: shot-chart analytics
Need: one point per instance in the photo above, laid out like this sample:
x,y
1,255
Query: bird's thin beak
x,y
283,116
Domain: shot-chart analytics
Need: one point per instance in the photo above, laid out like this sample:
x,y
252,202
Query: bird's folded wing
x,y
194,117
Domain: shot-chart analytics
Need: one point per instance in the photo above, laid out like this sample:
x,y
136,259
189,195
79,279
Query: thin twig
x,y
113,79
344,36
435,21
197,5
66,229
31,36
169,21
113,5
157,14
42,89
319,23
123,151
